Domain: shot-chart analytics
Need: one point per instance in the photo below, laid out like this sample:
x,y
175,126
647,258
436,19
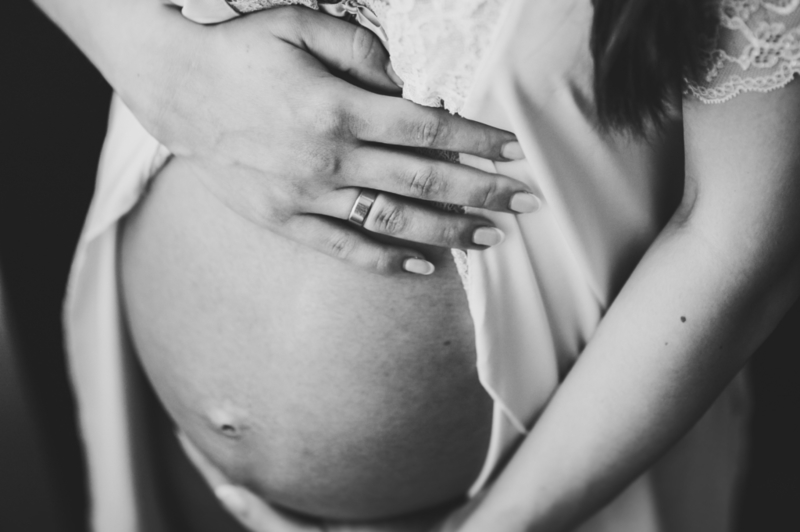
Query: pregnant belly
x,y
325,389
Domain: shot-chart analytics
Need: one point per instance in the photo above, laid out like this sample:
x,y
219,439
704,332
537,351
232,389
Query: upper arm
x,y
743,166
743,152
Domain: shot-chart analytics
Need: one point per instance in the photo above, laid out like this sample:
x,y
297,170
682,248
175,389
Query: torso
x,y
326,389
190,265
348,395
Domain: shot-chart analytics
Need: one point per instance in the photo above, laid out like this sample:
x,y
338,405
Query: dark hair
x,y
643,51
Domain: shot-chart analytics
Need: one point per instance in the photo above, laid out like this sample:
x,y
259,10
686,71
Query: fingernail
x,y
487,236
512,151
418,266
524,202
393,75
231,498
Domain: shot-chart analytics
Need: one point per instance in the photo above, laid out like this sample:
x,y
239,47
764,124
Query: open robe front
x,y
535,299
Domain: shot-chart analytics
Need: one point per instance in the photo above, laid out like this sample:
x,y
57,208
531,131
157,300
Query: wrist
x,y
510,505
142,48
502,516
154,66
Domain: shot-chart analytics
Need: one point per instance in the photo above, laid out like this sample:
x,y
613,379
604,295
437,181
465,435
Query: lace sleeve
x,y
757,48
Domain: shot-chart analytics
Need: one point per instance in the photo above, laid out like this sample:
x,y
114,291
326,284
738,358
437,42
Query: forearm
x,y
644,379
708,292
141,47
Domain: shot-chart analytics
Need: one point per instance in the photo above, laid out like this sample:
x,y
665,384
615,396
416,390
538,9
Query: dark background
x,y
54,118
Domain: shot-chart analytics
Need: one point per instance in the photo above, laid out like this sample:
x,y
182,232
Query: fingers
x,y
394,216
418,177
249,510
403,123
258,516
343,242
341,46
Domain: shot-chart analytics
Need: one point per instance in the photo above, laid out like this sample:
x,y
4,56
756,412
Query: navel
x,y
228,421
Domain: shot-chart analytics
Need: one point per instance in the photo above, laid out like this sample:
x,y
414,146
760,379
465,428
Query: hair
x,y
644,51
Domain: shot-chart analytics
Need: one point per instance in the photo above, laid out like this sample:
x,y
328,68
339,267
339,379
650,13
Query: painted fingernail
x,y
487,236
512,151
393,75
231,498
524,202
418,266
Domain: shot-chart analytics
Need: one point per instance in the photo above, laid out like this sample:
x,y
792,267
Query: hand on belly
x,y
322,388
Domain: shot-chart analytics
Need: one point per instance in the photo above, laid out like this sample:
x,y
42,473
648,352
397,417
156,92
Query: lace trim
x,y
461,259
436,48
451,35
436,45
757,49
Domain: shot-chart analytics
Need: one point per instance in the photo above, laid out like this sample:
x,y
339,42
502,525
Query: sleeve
x,y
215,11
756,48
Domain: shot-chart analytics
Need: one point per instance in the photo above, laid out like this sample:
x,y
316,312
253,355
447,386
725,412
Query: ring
x,y
362,206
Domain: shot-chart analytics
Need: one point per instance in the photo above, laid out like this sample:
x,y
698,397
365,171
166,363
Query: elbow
x,y
756,253
691,191
750,237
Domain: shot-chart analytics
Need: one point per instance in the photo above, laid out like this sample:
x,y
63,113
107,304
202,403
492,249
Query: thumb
x,y
258,516
341,46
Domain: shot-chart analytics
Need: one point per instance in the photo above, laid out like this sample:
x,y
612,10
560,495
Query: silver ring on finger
x,y
362,206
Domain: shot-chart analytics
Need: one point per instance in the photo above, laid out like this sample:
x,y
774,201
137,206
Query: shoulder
x,y
755,48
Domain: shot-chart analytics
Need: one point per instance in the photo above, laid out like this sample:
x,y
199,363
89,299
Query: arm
x,y
261,105
132,44
728,263
257,516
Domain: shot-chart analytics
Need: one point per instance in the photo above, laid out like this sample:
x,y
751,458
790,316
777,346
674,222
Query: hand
x,y
458,519
258,516
280,137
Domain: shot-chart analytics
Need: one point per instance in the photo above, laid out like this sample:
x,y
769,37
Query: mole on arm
x,y
229,430
683,319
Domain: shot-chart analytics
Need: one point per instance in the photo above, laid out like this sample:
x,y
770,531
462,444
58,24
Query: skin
x,y
712,287
219,95
253,514
716,282
327,390
728,262
327,138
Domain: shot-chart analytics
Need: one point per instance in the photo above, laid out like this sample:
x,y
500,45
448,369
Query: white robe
x,y
535,300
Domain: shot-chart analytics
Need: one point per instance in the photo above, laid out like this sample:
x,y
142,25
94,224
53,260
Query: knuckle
x,y
330,120
321,164
277,208
453,234
490,144
485,194
430,131
340,246
425,182
275,216
391,219
482,139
